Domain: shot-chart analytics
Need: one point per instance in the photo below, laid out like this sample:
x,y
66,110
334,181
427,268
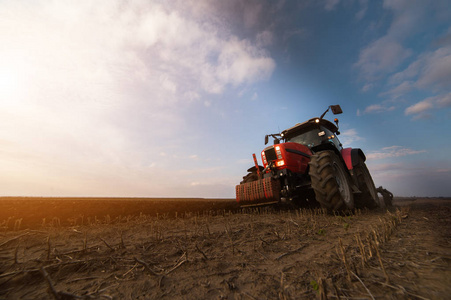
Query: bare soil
x,y
210,249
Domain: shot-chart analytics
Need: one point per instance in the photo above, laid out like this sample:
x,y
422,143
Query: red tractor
x,y
308,166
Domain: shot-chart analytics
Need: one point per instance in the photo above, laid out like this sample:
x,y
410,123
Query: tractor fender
x,y
352,157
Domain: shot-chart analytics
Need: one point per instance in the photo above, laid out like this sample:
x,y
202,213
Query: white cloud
x,y
363,8
399,90
419,107
431,70
406,14
443,101
254,96
436,71
376,108
392,151
349,136
331,4
119,45
93,90
240,62
420,110
385,54
367,87
265,38
381,57
428,72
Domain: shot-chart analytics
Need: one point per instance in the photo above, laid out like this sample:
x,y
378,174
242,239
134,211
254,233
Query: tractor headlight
x,y
278,152
280,163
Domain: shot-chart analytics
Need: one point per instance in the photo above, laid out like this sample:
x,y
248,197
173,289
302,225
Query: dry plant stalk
x,y
48,247
50,283
201,252
15,254
362,249
344,259
122,240
322,289
146,266
85,242
370,244
387,280
108,245
227,230
17,224
360,280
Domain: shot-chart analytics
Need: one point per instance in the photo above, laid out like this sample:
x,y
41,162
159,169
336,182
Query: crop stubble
x,y
221,253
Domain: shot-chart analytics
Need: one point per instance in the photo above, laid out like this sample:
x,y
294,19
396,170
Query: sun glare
x,y
12,82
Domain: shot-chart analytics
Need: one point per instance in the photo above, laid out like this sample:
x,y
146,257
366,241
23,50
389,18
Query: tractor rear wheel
x,y
368,197
331,181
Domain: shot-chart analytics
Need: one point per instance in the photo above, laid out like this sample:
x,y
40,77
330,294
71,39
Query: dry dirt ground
x,y
220,253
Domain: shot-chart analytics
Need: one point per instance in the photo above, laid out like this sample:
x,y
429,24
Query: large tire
x,y
331,181
368,197
250,177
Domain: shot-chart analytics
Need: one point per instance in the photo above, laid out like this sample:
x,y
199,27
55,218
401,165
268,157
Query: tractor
x,y
308,167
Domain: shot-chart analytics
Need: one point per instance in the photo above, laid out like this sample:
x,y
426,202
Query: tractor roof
x,y
310,124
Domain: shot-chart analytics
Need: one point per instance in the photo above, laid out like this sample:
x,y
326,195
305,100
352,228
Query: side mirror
x,y
266,139
336,109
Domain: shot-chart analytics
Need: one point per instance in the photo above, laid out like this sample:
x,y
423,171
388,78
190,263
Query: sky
x,y
171,98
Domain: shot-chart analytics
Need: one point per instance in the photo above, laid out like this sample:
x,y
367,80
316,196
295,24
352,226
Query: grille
x,y
270,154
259,191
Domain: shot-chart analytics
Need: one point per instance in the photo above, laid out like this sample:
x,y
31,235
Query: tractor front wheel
x,y
330,181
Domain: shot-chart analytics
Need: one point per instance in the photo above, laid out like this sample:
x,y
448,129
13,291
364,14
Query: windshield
x,y
315,137
309,138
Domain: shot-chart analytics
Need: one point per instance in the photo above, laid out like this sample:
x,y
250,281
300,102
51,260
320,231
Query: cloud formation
x,y
89,87
427,72
392,151
384,54
349,136
421,110
376,108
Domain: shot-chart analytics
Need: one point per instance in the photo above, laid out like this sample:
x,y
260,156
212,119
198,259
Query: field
x,y
85,248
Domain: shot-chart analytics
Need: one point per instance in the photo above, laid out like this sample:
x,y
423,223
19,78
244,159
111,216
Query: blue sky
x,y
171,98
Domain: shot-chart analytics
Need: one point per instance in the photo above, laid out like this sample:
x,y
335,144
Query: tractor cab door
x,y
328,137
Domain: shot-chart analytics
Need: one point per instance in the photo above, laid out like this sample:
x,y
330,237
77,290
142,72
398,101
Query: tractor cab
x,y
317,134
